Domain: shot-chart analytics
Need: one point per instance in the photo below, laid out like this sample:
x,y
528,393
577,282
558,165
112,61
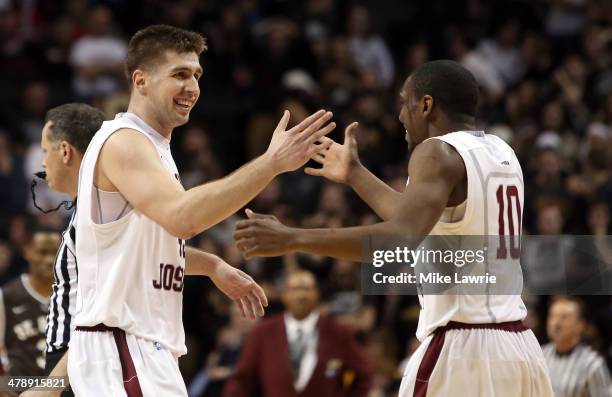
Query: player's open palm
x,y
291,148
338,160
241,288
262,235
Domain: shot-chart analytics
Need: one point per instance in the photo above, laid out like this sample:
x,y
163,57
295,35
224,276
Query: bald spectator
x,y
576,370
300,352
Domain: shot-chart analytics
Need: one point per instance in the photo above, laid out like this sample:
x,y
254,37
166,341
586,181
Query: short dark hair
x,y
151,43
453,87
75,123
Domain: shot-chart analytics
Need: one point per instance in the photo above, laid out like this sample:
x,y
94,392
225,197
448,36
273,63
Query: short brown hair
x,y
149,44
75,123
582,309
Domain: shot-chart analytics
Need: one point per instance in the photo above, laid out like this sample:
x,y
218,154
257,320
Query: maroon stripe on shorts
x,y
435,347
427,364
128,371
130,378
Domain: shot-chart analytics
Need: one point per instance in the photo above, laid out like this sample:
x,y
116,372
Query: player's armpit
x,y
130,163
435,170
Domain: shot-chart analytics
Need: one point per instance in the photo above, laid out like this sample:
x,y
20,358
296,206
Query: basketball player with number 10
x,y
462,182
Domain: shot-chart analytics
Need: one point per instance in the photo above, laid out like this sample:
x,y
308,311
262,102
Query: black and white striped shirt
x,y
63,298
579,372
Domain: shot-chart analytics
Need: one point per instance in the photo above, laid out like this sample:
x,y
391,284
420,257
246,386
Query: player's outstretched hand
x,y
338,161
290,149
262,235
241,288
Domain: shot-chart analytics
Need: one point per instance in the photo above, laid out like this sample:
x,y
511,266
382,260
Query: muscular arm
x,y
380,197
435,169
129,163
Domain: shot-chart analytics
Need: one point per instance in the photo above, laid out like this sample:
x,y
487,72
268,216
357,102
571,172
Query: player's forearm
x,y
379,196
200,263
204,206
351,243
356,243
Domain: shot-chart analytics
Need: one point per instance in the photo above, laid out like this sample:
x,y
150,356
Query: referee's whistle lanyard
x,y
42,175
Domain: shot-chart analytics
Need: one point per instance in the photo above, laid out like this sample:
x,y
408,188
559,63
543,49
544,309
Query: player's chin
x,y
181,118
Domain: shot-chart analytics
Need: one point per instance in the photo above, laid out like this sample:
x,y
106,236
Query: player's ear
x,y
139,81
427,104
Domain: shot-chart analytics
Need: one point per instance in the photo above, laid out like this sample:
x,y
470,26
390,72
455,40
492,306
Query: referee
x,y
576,370
65,136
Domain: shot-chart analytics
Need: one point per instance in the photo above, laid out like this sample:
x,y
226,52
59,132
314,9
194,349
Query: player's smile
x,y
183,105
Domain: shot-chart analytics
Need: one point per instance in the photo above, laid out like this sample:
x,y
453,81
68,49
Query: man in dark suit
x,y
300,352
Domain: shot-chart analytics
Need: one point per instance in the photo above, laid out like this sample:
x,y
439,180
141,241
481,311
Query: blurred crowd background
x,y
545,70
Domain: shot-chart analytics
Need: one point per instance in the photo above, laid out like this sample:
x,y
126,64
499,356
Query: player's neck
x,y
41,286
148,117
447,125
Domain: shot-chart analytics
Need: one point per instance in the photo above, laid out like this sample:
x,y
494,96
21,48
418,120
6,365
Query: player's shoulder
x,y
435,156
127,145
436,148
126,136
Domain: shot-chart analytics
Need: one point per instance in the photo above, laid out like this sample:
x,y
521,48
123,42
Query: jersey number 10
x,y
513,234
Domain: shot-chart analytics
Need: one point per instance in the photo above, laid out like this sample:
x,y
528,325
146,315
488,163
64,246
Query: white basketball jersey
x,y
493,207
131,269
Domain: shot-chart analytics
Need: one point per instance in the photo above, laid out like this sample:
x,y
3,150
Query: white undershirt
x,y
108,206
310,332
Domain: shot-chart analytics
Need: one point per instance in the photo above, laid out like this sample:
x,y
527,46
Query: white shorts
x,y
478,360
108,362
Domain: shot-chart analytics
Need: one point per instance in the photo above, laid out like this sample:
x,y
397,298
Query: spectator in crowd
x,y
221,362
12,182
575,368
369,50
545,256
23,307
97,58
301,352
